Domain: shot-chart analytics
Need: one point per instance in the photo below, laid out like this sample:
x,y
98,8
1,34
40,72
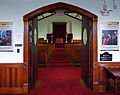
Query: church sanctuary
x,y
59,47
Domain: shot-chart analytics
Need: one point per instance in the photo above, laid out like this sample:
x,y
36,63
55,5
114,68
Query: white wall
x,y
14,10
45,26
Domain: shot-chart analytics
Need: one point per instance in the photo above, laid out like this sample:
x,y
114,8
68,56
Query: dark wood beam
x,y
45,17
73,17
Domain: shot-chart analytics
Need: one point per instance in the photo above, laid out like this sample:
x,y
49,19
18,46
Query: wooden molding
x,y
11,89
59,5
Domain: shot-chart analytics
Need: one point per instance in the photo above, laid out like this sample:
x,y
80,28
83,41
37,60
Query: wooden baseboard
x,y
12,90
82,83
37,84
102,88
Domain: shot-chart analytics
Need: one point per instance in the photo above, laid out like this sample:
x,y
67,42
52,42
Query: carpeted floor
x,y
60,78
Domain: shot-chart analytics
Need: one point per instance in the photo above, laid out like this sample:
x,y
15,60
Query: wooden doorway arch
x,y
47,8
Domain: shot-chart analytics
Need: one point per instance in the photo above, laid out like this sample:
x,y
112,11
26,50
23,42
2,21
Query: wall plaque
x,y
105,57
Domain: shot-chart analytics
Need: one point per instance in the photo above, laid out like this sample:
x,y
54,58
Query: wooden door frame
x,y
47,8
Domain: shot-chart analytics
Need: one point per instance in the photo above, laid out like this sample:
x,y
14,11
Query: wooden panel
x,y
11,78
13,89
102,78
94,67
102,74
8,77
34,52
95,76
2,77
86,52
26,57
19,80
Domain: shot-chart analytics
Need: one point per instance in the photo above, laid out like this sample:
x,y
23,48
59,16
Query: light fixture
x,y
104,6
114,5
104,11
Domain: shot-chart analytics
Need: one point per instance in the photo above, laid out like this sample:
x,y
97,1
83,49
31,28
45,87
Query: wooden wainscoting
x,y
102,74
11,78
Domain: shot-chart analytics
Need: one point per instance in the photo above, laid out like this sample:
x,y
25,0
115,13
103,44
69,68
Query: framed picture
x,y
6,29
109,36
5,37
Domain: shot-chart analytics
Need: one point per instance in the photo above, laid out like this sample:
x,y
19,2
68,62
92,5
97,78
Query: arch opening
x,y
53,9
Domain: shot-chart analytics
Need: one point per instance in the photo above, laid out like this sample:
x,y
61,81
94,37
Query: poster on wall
x,y
6,29
109,36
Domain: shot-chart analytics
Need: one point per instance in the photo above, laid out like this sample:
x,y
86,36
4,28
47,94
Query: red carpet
x,y
60,78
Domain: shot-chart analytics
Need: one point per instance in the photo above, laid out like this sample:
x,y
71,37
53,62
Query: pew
x,y
74,52
42,41
112,78
45,51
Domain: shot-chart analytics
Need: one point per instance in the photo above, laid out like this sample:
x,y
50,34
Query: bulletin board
x,y
109,32
6,29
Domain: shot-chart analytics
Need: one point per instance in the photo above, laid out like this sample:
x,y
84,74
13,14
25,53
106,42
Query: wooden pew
x,y
112,78
44,52
74,52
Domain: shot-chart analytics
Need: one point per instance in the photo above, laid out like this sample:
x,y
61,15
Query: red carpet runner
x,y
60,78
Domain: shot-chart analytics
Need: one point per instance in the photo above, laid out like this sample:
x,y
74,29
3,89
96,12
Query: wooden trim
x,y
11,64
45,17
26,41
95,56
47,8
94,41
26,55
25,89
73,17
110,63
11,90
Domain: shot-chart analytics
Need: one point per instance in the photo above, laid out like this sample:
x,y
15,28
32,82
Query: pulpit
x,y
59,40
59,43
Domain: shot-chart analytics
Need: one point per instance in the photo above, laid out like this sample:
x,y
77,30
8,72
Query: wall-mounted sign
x,y
6,29
109,36
105,57
18,45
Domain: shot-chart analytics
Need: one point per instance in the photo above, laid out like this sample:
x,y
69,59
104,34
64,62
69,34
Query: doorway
x,y
59,34
90,43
